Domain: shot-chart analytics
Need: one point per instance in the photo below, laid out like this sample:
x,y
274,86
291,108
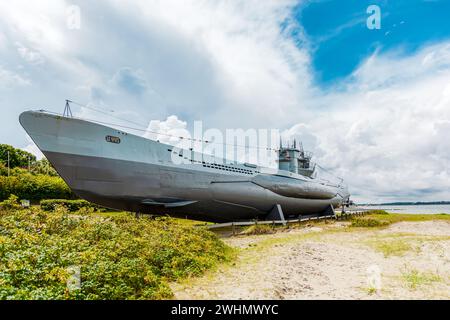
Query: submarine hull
x,y
127,172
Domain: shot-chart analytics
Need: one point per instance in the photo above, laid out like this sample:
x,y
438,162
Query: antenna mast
x,y
67,111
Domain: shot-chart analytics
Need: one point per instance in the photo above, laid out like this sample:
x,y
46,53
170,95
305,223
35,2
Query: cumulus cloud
x,y
387,133
33,149
235,64
132,81
172,131
167,131
29,55
9,79
223,58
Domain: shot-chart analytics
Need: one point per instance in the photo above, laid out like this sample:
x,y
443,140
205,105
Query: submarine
x,y
123,171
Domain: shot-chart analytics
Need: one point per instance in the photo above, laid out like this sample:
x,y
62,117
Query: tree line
x,y
28,178
24,160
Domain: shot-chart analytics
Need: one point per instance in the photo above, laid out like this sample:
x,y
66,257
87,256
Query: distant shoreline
x,y
406,203
416,208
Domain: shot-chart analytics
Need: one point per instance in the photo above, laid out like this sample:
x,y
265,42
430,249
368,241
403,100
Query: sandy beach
x,y
330,260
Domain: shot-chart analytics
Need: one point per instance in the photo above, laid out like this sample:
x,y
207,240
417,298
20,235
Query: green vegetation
x,y
398,217
71,205
393,247
11,203
414,278
29,179
371,290
258,229
372,219
397,244
368,222
17,157
375,218
377,211
120,257
43,166
34,187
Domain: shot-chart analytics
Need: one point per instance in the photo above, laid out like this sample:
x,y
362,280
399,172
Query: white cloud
x,y
232,58
132,81
33,149
393,68
167,131
10,79
387,134
385,129
29,55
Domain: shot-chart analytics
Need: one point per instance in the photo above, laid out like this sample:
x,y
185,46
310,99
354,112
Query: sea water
x,y
413,209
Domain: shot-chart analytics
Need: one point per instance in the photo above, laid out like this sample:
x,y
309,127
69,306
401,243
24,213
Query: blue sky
x,y
337,29
373,105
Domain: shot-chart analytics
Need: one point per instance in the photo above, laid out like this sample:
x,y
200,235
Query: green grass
x,y
393,247
258,229
397,244
398,217
71,205
120,257
112,214
377,211
371,290
33,187
368,222
379,218
414,278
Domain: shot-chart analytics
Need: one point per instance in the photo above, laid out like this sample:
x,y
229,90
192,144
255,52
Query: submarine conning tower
x,y
295,160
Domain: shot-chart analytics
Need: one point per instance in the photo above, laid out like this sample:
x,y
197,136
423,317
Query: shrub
x,y
11,203
43,166
377,211
3,170
392,247
118,257
258,229
71,205
34,187
17,157
416,278
368,222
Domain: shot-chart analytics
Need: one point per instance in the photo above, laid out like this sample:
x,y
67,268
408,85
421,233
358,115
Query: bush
x,y
258,229
43,166
11,203
34,187
377,211
368,222
3,170
17,157
71,205
118,257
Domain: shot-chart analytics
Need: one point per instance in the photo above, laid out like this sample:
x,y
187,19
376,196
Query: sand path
x,y
407,260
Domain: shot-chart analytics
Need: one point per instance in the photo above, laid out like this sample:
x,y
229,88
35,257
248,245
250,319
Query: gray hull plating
x,y
139,175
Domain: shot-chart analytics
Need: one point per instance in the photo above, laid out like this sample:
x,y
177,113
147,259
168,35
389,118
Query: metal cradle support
x,y
329,211
276,214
